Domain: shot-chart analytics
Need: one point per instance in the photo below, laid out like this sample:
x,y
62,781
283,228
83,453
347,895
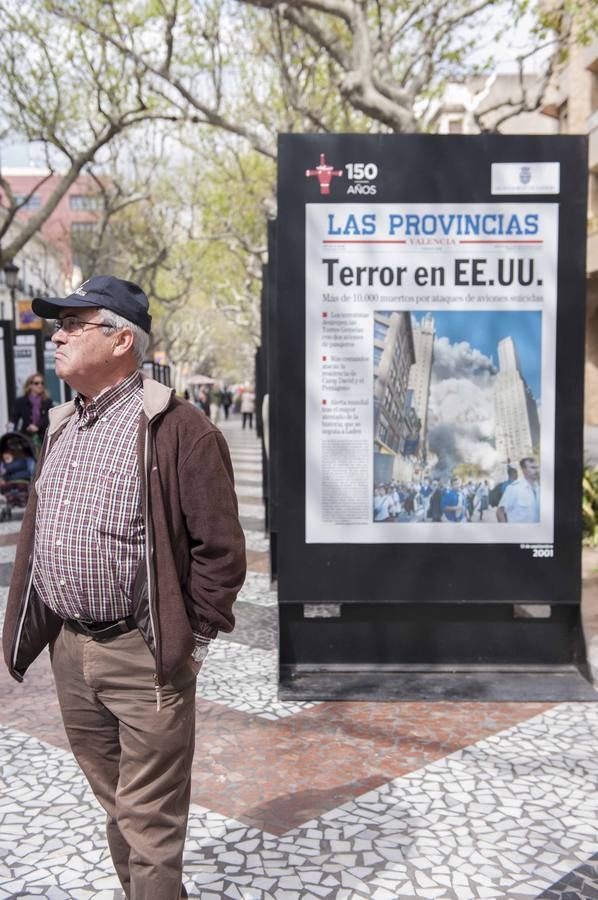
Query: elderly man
x,y
129,559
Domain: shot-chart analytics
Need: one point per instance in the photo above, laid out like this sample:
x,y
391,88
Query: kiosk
x,y
428,410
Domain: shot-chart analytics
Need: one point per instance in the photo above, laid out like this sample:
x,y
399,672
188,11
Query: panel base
x,y
558,684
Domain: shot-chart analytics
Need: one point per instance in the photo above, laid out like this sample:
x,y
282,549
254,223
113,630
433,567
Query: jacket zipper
x,y
158,691
149,549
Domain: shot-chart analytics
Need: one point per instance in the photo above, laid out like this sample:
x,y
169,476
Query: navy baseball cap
x,y
122,297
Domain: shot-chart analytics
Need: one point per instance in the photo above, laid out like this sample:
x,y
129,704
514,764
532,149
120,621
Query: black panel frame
x,y
431,168
421,578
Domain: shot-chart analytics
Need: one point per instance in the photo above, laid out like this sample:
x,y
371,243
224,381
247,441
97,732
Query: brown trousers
x,y
136,759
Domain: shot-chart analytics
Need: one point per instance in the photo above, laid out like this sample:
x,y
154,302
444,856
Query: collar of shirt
x,y
106,401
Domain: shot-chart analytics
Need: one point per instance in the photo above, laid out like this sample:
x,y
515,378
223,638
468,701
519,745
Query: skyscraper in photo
x,y
396,426
420,375
517,420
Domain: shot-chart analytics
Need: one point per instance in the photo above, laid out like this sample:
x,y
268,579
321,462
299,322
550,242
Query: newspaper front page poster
x,y
430,372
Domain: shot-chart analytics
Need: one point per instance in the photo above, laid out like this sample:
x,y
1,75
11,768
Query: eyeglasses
x,y
74,326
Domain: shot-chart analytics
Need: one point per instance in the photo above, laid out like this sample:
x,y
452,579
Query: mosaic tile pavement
x,y
297,801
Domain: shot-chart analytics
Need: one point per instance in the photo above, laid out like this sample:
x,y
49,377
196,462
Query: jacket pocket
x,y
39,626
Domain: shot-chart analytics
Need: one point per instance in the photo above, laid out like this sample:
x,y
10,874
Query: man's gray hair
x,y
141,338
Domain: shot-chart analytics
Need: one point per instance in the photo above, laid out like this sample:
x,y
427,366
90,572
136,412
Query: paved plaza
x,y
301,801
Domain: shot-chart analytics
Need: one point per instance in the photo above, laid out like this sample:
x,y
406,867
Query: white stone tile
x,y
380,842
252,510
7,554
244,678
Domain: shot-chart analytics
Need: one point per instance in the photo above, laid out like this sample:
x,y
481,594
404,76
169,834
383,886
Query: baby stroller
x,y
17,467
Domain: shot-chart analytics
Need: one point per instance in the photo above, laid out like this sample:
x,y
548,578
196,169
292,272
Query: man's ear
x,y
122,342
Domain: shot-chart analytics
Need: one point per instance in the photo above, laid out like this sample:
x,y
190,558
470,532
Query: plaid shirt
x,y
89,531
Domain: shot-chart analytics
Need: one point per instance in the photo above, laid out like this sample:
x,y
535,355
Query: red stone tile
x,y
283,773
32,707
277,774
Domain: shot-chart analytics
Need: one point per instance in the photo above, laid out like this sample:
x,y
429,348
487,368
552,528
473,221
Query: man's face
x,y
531,470
82,358
455,483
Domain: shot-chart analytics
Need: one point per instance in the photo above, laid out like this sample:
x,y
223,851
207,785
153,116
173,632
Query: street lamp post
x,y
11,270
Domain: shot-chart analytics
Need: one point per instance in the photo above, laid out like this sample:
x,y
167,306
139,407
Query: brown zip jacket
x,y
194,563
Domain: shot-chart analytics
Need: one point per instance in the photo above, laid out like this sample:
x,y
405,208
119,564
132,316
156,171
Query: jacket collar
x,y
156,399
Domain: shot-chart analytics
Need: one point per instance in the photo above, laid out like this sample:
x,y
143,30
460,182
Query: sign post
x,y
430,299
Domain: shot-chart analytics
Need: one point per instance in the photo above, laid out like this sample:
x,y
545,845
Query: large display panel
x,y
430,316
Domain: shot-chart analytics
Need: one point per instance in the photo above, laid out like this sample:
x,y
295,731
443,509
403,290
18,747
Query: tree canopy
x,y
220,79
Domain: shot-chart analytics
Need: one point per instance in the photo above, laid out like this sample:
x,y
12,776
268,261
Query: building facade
x,y
420,377
572,105
40,272
71,225
487,97
516,411
394,418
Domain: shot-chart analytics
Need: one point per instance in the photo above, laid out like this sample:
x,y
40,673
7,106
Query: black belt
x,y
101,631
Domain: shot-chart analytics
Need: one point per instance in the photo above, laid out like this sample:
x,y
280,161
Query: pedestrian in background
x,y
226,401
30,414
129,559
247,406
215,402
203,400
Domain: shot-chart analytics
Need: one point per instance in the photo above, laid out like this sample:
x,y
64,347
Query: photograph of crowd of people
x,y
457,417
516,499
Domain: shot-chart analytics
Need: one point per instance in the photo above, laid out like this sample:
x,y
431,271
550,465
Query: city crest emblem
x,y
324,173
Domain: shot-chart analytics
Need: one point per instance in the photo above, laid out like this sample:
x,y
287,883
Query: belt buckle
x,y
102,634
120,626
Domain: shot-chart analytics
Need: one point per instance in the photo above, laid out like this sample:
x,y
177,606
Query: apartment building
x,y
573,105
570,107
70,225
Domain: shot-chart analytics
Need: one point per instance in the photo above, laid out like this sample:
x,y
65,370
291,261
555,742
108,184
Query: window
x,y
81,228
84,202
380,331
383,430
34,201
377,355
455,126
